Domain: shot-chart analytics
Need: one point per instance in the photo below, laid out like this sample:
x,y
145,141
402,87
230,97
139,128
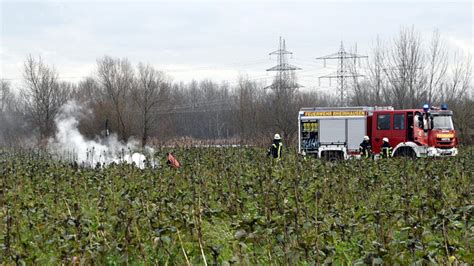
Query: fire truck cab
x,y
335,133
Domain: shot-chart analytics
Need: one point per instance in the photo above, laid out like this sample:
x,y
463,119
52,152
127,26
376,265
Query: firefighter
x,y
386,148
365,148
276,147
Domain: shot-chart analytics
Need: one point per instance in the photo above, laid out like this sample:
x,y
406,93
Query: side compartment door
x,y
309,135
355,133
332,131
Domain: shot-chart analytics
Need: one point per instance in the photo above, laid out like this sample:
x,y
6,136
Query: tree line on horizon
x,y
144,103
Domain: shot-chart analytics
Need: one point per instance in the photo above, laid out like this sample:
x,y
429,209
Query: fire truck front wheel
x,y
405,152
332,156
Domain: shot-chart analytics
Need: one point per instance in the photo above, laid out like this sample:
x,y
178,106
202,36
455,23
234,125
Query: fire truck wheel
x,y
332,156
405,152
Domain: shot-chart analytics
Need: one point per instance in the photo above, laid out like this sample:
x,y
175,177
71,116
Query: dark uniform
x,y
365,149
386,150
275,149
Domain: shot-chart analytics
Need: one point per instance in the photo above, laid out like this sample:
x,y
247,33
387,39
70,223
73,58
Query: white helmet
x,y
385,139
366,137
277,136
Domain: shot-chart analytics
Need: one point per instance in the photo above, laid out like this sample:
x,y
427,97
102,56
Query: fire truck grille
x,y
445,147
444,142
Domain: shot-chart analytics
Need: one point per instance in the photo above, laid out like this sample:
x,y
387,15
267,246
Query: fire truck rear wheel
x,y
405,152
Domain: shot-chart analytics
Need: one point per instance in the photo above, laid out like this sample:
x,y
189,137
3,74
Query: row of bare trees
x,y
143,102
409,71
128,98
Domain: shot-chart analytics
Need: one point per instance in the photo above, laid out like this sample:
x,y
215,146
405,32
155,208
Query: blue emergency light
x,y
444,106
426,107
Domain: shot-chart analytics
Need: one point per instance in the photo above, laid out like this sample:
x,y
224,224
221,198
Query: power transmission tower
x,y
343,70
284,69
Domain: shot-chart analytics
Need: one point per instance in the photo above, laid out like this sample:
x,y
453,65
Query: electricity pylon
x,y
343,70
283,68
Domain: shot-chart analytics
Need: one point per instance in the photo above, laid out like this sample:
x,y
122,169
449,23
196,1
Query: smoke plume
x,y
70,144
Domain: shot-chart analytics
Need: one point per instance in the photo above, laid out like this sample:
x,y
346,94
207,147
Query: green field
x,y
236,206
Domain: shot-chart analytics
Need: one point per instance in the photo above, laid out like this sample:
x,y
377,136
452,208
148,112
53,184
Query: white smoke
x,y
70,143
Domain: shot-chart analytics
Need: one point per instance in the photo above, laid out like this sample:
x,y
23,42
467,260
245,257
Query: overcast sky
x,y
210,39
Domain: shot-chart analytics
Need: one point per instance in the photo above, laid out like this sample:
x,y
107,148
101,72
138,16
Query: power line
x,y
59,78
218,67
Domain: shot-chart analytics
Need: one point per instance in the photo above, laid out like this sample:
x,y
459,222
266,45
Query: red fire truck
x,y
335,133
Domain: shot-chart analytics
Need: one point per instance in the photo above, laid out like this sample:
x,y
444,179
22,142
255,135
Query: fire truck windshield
x,y
442,122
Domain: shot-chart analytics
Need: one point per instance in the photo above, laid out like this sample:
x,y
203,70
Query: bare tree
x,y
247,91
362,91
460,81
457,92
437,67
116,79
87,90
151,91
43,95
6,98
405,65
5,95
376,75
282,103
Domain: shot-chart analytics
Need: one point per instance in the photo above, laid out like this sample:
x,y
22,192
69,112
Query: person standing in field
x,y
276,147
365,148
386,148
